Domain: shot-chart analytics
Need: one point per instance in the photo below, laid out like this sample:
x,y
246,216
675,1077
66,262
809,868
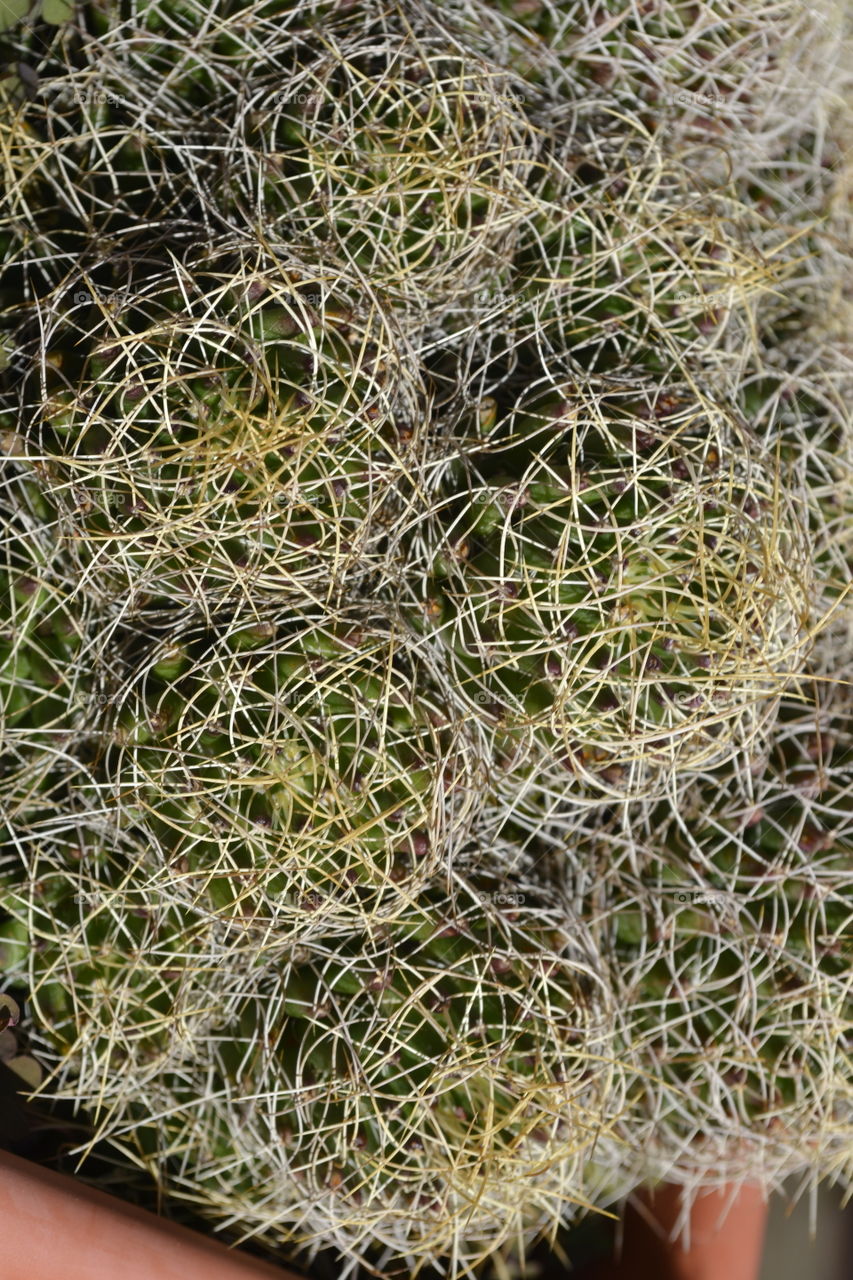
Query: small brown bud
x,y
420,844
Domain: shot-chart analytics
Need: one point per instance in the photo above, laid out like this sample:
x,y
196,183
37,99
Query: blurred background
x,y
788,1251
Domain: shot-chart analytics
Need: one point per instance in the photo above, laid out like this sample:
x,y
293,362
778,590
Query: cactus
x,y
408,162
426,568
43,638
48,671
291,774
94,151
206,438
428,1089
624,586
726,912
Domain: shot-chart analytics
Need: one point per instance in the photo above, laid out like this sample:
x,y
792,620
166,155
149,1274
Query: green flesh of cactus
x,y
629,589
389,1079
732,949
296,776
198,454
426,163
41,635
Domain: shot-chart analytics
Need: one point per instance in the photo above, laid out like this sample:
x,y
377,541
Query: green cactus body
x,y
199,454
289,776
633,599
451,1069
106,961
730,936
96,145
43,686
806,416
165,39
425,161
589,282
